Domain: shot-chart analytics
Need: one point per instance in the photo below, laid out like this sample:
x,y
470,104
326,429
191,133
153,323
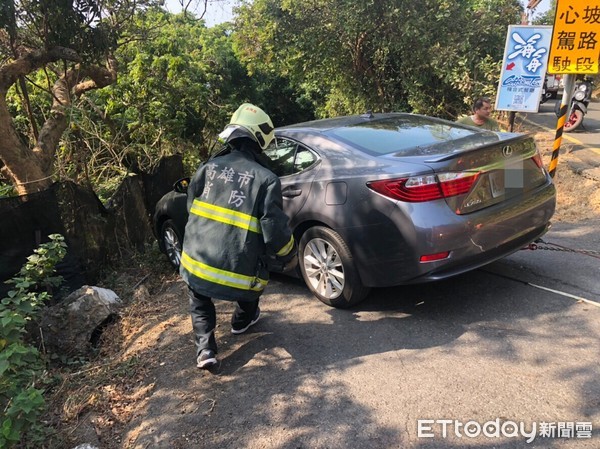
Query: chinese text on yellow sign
x,y
575,47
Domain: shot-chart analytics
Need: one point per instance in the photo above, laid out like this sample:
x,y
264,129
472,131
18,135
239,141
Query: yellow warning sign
x,y
575,46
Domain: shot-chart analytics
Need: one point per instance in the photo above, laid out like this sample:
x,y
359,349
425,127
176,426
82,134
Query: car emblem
x,y
507,151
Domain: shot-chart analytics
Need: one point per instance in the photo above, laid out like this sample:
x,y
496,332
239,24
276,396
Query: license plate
x,y
497,183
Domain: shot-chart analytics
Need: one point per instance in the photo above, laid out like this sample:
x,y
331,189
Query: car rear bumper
x,y
469,263
389,255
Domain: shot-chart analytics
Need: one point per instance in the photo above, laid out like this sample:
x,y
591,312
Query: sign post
x,y
575,49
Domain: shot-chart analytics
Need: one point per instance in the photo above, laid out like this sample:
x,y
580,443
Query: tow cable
x,y
548,246
542,245
541,287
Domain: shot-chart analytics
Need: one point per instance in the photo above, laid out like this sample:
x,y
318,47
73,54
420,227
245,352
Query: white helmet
x,y
249,121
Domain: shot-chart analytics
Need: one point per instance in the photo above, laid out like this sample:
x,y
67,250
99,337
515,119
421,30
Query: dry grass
x,y
95,400
578,197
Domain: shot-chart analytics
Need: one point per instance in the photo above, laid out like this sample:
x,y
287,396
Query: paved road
x,y
517,341
489,347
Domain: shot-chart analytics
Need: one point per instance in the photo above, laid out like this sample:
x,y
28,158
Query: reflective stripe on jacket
x,y
235,220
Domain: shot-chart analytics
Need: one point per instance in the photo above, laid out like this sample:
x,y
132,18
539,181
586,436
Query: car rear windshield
x,y
399,134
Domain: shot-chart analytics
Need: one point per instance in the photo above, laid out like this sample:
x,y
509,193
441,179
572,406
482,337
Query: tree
x,y
70,44
423,56
546,17
179,84
164,97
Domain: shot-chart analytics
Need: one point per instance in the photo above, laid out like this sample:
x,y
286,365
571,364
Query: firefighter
x,y
236,230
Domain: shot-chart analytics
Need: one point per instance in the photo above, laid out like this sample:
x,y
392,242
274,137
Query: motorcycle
x,y
579,103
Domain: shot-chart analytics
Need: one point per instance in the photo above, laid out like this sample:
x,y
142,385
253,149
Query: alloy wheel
x,y
172,245
324,268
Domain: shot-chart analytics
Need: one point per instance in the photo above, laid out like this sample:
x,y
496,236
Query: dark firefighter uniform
x,y
235,223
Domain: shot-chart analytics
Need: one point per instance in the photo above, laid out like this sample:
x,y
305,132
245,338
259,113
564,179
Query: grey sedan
x,y
381,200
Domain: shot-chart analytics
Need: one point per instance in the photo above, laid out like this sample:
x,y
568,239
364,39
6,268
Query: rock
x,y
74,326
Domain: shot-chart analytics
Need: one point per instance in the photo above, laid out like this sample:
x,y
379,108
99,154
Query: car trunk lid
x,y
502,170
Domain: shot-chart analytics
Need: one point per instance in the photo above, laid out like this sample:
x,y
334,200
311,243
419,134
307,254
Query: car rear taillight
x,y
418,189
434,257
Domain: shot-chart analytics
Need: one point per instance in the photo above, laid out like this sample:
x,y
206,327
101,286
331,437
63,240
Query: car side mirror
x,y
181,185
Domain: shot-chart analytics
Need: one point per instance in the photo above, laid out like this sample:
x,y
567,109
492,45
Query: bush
x,y
21,364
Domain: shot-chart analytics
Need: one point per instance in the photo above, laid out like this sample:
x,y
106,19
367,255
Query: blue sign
x,y
523,68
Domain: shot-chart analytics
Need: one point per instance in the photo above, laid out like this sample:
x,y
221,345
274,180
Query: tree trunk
x,y
20,163
31,170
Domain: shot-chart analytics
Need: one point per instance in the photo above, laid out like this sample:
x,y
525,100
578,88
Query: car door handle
x,y
291,193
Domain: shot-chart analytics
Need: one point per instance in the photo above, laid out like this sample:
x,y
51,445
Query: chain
x,y
547,246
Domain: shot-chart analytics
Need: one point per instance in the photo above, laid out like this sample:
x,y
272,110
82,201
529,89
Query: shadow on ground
x,y
298,380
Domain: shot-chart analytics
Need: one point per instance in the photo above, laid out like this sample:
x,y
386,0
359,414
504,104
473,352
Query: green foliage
x,y
50,23
6,190
547,17
86,33
178,85
160,105
21,365
38,91
427,56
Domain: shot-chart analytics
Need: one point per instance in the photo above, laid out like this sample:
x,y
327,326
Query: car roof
x,y
380,134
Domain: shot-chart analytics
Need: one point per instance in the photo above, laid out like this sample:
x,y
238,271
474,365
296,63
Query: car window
x,y
281,154
399,134
304,159
287,157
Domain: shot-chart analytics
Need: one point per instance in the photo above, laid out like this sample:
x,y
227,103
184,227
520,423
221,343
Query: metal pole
x,y
569,85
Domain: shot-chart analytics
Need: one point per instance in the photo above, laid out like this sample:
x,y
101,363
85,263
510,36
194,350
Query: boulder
x,y
73,327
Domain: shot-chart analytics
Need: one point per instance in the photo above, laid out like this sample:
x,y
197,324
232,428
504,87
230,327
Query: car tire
x,y
172,242
328,269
